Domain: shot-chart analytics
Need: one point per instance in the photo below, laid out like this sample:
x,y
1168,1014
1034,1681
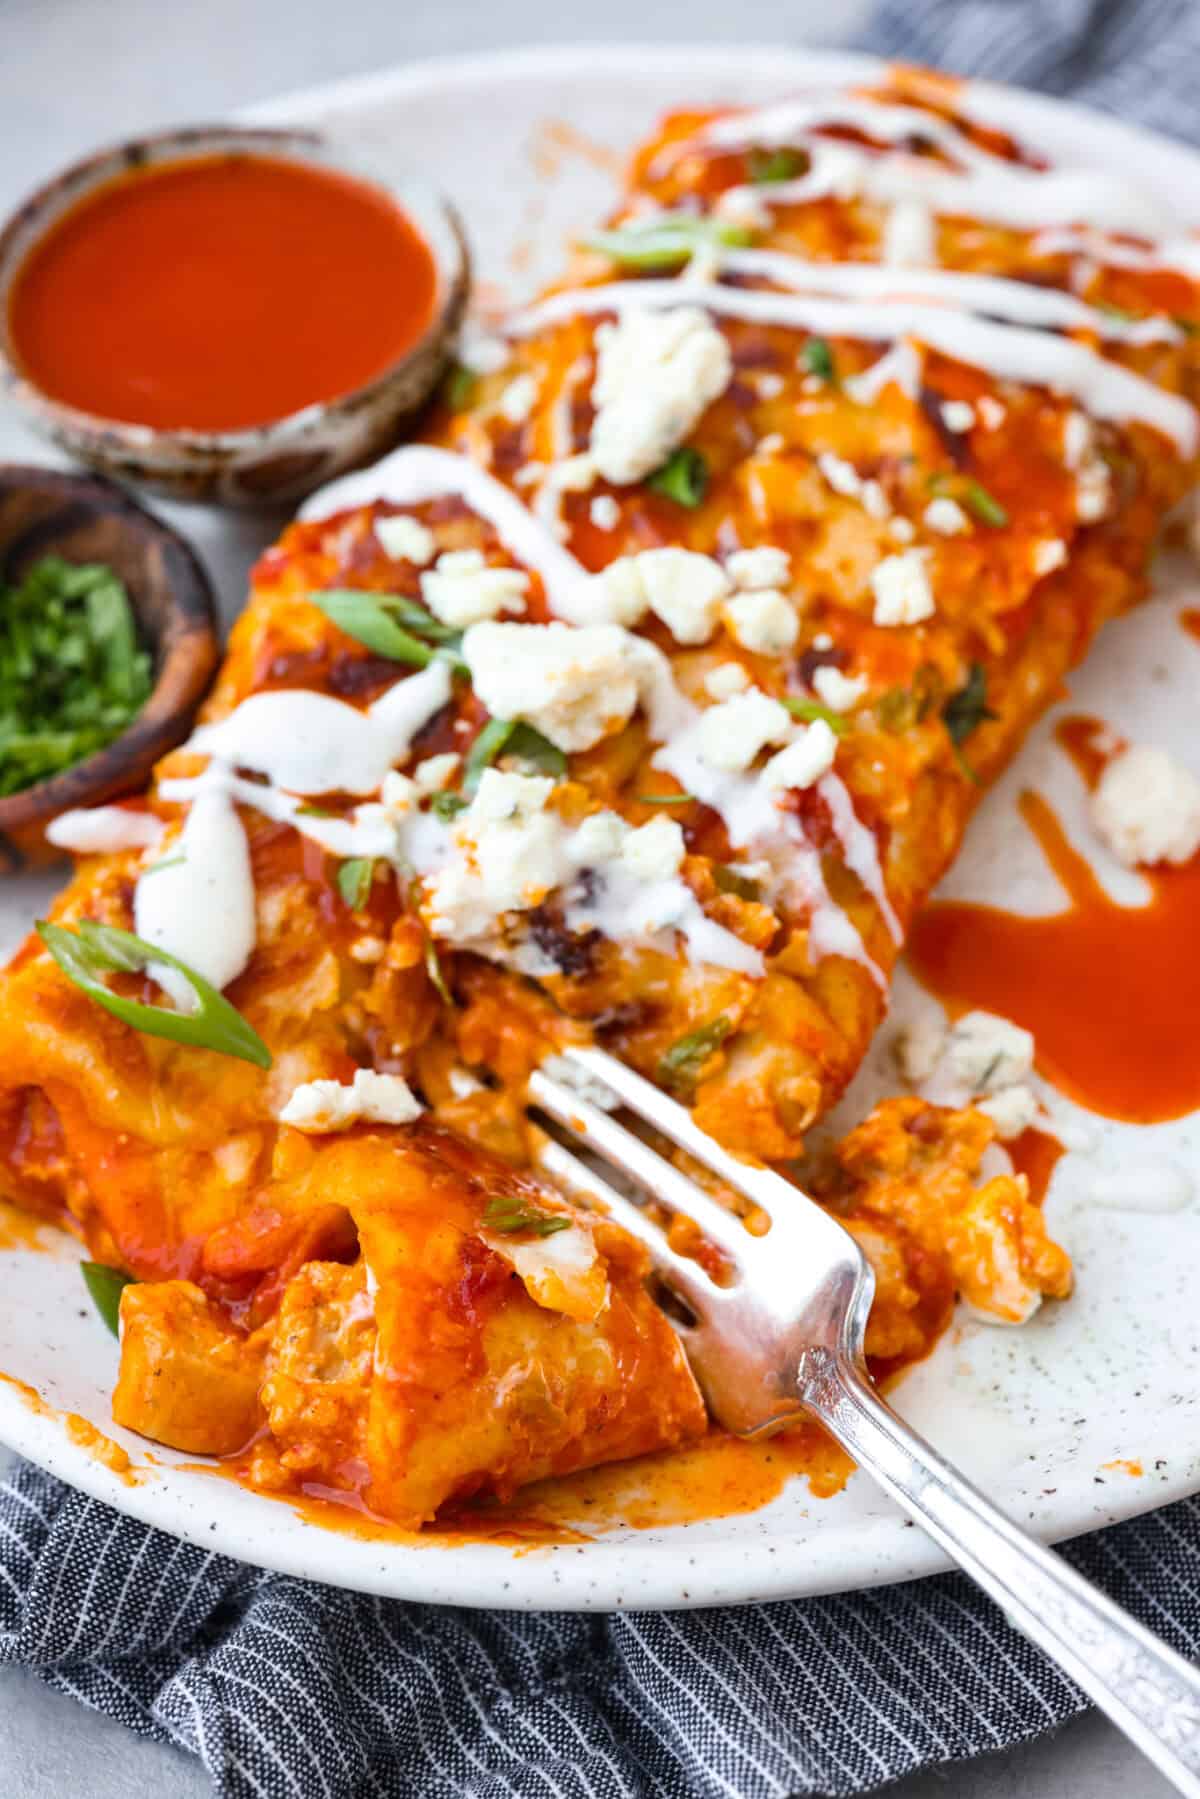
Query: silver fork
x,y
785,1339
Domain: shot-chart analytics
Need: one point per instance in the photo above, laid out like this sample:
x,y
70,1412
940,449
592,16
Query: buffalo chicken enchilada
x,y
644,701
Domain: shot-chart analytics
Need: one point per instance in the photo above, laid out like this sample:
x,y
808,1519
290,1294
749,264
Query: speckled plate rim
x,y
796,1546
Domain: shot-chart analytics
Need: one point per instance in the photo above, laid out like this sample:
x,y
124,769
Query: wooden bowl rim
x,y
185,652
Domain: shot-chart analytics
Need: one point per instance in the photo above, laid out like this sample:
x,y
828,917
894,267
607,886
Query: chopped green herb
x,y
72,674
978,500
817,358
682,478
448,805
483,752
418,619
900,708
728,880
971,494
106,1286
310,811
506,1216
1119,313
433,968
808,710
965,710
529,746
512,737
665,241
86,954
666,799
458,388
776,165
354,879
156,868
372,619
681,1066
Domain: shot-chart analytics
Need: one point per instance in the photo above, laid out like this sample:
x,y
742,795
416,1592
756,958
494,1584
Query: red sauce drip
x,y
1189,618
1081,737
219,293
1110,992
1035,1154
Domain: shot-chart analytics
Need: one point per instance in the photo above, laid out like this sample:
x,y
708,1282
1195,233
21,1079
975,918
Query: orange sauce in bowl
x,y
220,292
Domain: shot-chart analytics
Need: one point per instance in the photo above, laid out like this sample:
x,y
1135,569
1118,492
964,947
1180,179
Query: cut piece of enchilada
x,y
651,698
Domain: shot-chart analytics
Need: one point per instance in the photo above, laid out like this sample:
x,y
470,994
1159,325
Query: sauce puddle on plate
x,y
1110,992
219,293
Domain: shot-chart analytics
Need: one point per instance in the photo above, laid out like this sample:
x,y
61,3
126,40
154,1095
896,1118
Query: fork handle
x,y
1149,1692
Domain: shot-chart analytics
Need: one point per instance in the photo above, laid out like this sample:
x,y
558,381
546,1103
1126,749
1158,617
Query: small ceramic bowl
x,y
42,513
285,458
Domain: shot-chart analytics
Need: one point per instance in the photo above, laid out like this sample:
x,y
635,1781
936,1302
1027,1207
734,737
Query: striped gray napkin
x,y
288,1690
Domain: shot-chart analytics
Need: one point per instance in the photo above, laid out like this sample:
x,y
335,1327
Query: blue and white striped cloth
x,y
293,1691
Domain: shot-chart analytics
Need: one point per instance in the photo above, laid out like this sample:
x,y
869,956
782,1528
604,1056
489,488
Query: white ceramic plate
x,y
1034,1415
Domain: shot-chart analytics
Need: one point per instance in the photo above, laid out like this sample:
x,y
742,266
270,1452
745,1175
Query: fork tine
x,y
760,1185
687,1276
643,1164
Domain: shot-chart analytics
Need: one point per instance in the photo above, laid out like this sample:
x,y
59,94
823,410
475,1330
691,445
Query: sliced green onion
x,y
433,968
156,868
664,241
681,1065
370,619
106,1286
354,879
776,165
311,811
94,949
817,358
458,388
448,805
978,500
666,799
808,711
483,752
529,745
972,494
508,1215
682,478
511,737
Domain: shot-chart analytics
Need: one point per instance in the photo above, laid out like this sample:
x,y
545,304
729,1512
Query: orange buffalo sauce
x,y
1110,992
219,293
1189,618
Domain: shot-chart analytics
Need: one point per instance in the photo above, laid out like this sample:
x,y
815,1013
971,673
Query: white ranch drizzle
x,y
101,830
1003,193
311,743
417,473
791,121
1013,302
755,823
200,908
1180,254
859,847
901,364
368,831
1009,352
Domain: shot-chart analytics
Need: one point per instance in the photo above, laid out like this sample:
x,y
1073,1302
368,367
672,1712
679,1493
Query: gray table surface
x,y
74,73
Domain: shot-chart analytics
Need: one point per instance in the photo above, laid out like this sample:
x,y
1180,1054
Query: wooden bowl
x,y
85,519
283,459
